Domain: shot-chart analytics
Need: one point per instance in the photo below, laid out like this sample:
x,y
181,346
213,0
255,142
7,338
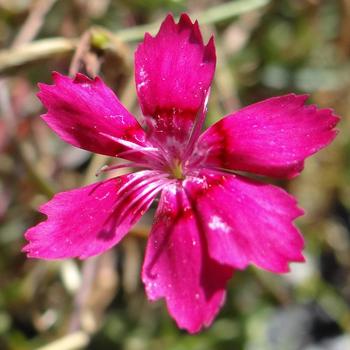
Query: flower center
x,y
177,170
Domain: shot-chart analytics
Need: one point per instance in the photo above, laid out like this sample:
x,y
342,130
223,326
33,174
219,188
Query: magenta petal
x,y
174,69
173,73
177,266
87,221
247,222
79,109
272,137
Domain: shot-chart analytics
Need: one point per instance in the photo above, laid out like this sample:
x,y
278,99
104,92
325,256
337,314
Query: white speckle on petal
x,y
141,85
216,223
103,197
150,286
172,188
144,79
117,116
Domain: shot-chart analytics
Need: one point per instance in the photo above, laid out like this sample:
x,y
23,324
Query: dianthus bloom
x,y
210,220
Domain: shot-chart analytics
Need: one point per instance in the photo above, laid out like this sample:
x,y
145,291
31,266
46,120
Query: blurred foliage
x,y
300,46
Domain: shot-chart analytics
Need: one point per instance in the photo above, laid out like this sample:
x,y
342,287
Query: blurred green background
x,y
265,48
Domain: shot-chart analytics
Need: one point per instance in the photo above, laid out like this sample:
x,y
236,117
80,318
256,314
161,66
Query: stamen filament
x,y
129,144
147,193
155,157
197,127
107,168
133,147
125,191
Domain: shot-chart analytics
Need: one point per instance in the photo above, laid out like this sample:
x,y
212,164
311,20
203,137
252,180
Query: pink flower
x,y
210,220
